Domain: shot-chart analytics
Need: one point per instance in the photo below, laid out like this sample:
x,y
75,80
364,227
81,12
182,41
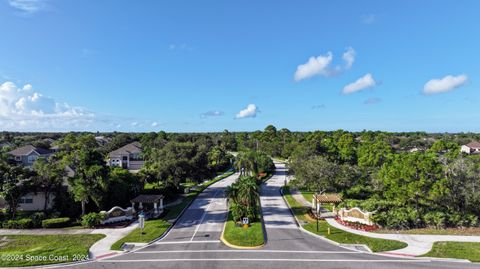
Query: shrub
x,y
18,224
56,223
435,219
93,219
37,219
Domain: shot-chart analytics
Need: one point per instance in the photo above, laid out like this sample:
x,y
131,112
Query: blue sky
x,y
239,65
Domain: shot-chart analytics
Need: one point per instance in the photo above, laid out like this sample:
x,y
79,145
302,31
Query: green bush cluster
x,y
56,223
24,223
93,219
393,215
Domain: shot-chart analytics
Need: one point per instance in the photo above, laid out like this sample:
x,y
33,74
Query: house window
x,y
18,158
25,200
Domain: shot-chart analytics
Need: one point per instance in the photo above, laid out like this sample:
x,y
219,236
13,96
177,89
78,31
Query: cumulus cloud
x,y
445,84
362,83
349,57
155,124
372,101
313,67
28,6
249,112
321,65
212,113
21,106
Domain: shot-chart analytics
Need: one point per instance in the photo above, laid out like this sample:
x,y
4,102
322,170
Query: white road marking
x,y
268,260
204,214
185,242
246,251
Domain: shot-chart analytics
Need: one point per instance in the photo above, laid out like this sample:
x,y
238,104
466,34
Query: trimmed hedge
x,y
56,223
18,224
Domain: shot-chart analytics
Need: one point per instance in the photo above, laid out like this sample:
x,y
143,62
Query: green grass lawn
x,y
237,235
153,229
337,235
29,250
457,250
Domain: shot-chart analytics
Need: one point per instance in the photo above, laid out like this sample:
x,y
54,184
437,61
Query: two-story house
x,y
128,157
28,154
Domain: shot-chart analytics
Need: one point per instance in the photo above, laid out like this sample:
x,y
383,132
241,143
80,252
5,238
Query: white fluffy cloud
x,y
445,84
249,112
314,67
33,111
362,83
321,65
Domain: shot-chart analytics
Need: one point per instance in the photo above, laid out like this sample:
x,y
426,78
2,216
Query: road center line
x,y
205,214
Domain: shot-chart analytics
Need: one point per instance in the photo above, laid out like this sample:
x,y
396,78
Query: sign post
x,y
245,222
141,221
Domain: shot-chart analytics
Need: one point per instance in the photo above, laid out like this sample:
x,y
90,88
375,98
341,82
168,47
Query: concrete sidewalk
x,y
418,244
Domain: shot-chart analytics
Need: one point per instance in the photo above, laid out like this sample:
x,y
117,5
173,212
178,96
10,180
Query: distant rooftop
x,y
473,145
26,150
132,148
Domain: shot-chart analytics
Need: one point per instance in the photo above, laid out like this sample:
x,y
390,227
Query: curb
x,y
230,245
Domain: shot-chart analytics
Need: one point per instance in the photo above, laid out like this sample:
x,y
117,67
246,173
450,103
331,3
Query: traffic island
x,y
238,236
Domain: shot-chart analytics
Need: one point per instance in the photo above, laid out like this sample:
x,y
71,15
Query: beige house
x,y
128,157
471,148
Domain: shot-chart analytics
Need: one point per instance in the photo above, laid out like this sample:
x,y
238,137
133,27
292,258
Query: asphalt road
x,y
194,242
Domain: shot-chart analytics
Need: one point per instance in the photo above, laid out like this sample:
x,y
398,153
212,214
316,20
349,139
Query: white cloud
x,y
155,124
445,84
362,83
26,108
321,65
315,66
249,112
28,6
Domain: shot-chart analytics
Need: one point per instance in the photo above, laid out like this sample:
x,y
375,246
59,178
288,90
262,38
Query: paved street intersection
x,y
194,241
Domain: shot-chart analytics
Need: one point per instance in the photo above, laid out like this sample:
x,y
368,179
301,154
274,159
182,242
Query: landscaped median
x,y
156,228
337,235
30,250
236,236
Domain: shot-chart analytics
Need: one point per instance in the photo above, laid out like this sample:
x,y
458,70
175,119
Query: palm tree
x,y
246,161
